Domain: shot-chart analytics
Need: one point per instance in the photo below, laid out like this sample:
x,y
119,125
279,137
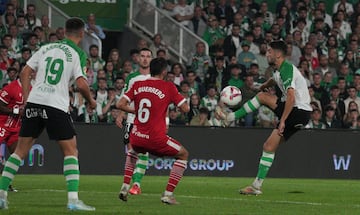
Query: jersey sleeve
x,y
177,98
80,65
33,62
287,76
5,94
129,94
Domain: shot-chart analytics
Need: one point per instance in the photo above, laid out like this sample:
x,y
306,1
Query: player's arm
x,y
84,89
123,104
25,78
269,83
289,104
184,107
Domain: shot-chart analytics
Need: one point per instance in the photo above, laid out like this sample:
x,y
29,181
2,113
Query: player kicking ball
x,y
152,98
293,109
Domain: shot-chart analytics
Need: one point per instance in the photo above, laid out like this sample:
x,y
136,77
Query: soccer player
x,y
293,109
142,74
11,109
152,98
57,65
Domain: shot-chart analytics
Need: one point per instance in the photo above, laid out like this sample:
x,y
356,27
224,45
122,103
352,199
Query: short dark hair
x,y
74,25
279,45
93,46
157,65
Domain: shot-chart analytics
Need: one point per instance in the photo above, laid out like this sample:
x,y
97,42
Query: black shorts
x,y
128,127
297,119
59,124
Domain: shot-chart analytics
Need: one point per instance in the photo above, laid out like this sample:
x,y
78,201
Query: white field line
x,y
217,198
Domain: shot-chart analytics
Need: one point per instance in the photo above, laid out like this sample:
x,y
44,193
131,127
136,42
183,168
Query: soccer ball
x,y
231,96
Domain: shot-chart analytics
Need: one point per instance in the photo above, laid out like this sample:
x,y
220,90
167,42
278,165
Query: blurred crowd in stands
x,y
323,44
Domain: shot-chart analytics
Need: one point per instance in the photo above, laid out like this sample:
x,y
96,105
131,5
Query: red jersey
x,y
152,98
11,95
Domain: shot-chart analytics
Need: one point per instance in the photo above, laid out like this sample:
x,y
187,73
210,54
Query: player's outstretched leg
x,y
265,163
72,175
130,163
176,174
10,169
249,107
139,172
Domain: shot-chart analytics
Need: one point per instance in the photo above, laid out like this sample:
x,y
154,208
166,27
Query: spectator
x,y
210,100
97,62
114,57
60,33
342,3
319,91
344,72
25,55
232,42
333,58
327,81
321,5
194,106
185,90
119,86
39,31
92,28
134,58
200,61
213,36
30,17
111,73
45,25
223,10
248,91
101,92
217,75
5,61
87,114
266,118
52,38
90,74
157,44
210,9
17,40
3,27
268,15
10,19
341,83
195,85
110,102
315,120
349,59
126,68
175,117
312,97
239,20
201,119
261,59
179,73
350,118
324,66
33,43
183,13
246,57
330,119
198,23
352,98
236,76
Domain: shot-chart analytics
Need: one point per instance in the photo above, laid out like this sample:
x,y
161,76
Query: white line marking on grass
x,y
213,198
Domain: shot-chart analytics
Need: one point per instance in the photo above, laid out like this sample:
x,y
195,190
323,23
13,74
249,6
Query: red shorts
x,y
166,146
9,136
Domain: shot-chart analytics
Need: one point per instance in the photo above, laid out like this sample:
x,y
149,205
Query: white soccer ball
x,y
231,96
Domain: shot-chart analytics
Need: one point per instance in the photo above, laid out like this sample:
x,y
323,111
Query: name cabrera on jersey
x,y
288,76
57,65
130,80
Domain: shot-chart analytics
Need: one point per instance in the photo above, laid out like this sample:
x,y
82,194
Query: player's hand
x,y
281,128
92,104
119,120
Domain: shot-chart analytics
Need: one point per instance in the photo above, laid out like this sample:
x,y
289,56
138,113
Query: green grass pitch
x,y
45,194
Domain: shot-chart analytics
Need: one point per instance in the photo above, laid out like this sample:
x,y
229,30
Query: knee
x,y
183,154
